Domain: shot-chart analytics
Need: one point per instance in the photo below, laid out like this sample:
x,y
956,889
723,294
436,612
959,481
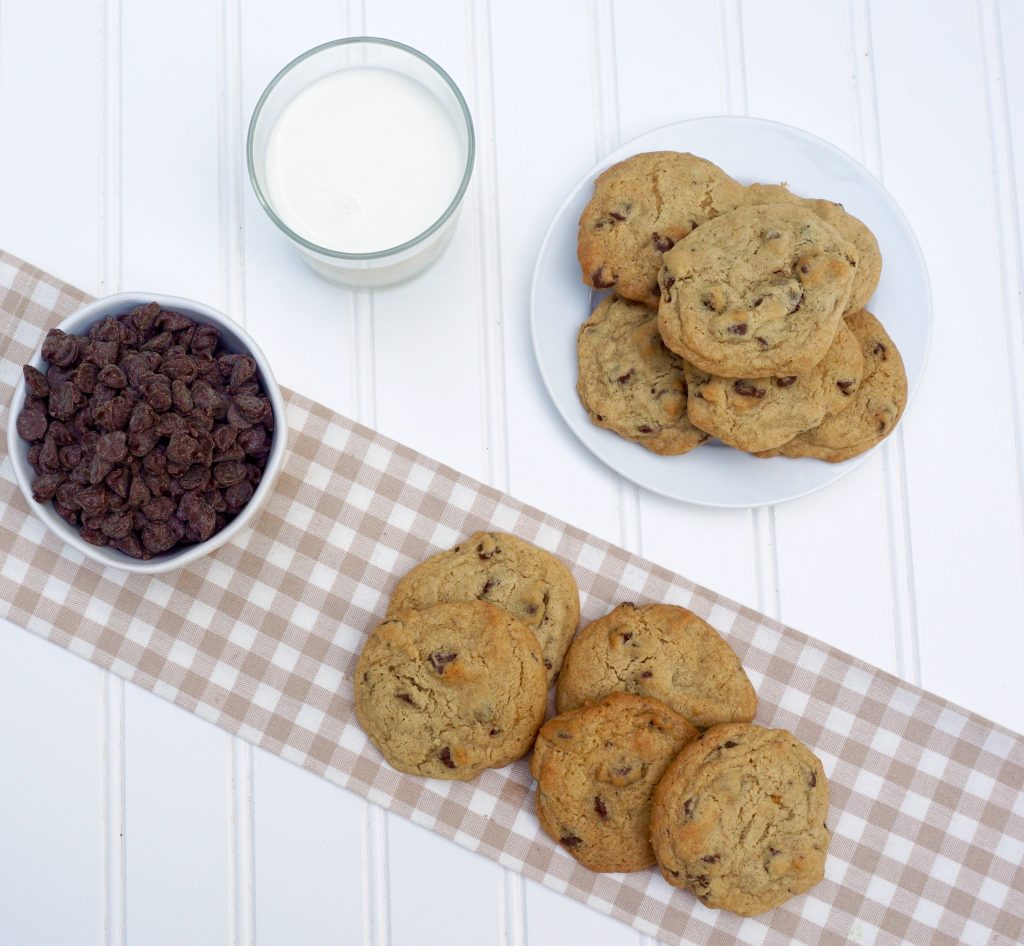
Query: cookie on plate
x,y
757,414
596,768
661,651
641,207
451,690
740,817
630,382
492,566
874,409
757,292
869,264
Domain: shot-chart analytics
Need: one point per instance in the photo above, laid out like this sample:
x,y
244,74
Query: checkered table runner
x,y
261,638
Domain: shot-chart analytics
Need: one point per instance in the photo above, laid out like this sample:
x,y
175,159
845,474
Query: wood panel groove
x,y
895,494
1004,184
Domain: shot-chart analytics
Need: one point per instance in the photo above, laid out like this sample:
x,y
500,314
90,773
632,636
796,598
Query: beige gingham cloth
x,y
261,637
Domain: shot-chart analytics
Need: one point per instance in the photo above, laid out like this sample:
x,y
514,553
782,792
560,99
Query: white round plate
x,y
750,149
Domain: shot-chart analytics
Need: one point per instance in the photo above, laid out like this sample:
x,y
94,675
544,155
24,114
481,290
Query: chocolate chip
x,y
645,429
700,880
599,807
445,755
739,328
598,280
488,586
32,425
879,349
813,780
774,851
628,636
748,389
616,216
547,664
662,243
440,659
761,341
785,382
647,674
623,378
845,386
45,487
35,382
570,840
729,744
711,858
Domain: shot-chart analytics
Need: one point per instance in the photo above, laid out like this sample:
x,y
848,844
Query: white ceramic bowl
x,y
233,339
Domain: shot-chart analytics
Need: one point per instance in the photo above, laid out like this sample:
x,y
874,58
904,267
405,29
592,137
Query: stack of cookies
x,y
652,757
738,313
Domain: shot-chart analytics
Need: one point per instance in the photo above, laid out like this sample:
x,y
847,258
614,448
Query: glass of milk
x,y
361,150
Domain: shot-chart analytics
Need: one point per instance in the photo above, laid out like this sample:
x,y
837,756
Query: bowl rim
x,y
76,323
453,206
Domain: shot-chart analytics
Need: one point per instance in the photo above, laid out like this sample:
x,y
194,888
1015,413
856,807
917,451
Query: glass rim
x,y
413,241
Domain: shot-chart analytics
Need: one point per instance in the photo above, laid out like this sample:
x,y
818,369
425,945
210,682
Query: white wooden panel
x,y
284,301
544,119
548,109
51,866
48,131
654,85
310,849
178,818
429,393
833,548
309,872
965,513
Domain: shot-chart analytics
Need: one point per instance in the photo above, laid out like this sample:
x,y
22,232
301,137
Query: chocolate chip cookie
x,y
757,292
739,818
452,689
661,651
869,265
492,566
642,207
596,768
630,382
874,409
761,413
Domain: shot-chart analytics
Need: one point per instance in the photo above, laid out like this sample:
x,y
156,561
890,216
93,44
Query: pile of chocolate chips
x,y
145,434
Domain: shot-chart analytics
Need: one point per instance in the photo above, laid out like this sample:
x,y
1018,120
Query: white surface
x,y
123,819
752,150
233,338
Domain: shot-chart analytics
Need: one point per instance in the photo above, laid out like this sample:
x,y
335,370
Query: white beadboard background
x,y
122,123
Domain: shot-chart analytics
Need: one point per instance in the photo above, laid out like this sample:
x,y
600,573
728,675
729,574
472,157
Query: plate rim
x,y
842,469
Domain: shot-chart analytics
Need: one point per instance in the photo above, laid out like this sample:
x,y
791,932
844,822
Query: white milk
x,y
363,160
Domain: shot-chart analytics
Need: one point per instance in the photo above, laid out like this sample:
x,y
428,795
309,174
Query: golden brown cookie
x,y
596,768
761,413
452,689
740,817
641,207
869,265
661,651
874,410
492,566
757,292
630,382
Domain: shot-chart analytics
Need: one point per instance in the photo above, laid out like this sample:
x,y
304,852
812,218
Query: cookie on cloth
x,y
452,689
525,580
596,768
740,818
661,651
